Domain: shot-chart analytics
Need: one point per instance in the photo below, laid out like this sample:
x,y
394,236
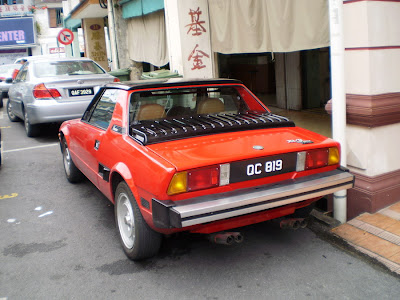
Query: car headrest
x,y
210,106
150,112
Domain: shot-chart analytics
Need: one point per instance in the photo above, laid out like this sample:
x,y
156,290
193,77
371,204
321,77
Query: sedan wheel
x,y
11,116
31,130
138,240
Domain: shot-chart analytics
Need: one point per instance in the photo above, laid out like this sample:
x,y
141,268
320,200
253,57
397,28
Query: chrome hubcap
x,y
26,121
67,159
126,220
10,113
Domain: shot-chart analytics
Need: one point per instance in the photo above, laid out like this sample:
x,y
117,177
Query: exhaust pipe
x,y
222,238
237,236
226,238
293,223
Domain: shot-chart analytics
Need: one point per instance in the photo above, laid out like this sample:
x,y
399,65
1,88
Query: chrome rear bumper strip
x,y
227,205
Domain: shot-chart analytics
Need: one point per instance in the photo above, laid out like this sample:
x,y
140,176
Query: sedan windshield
x,y
58,68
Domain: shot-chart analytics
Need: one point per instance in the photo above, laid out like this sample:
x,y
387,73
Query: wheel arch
x,y
121,173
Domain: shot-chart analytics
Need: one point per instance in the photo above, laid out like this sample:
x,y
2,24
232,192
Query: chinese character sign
x,y
196,26
195,39
196,56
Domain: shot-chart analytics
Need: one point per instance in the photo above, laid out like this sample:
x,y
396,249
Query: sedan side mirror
x,y
9,80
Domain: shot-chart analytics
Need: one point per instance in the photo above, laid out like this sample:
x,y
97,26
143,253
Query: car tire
x,y
1,99
73,174
11,116
138,240
31,130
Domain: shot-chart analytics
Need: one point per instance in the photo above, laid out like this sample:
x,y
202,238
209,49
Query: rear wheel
x,y
31,130
138,240
11,116
72,173
1,99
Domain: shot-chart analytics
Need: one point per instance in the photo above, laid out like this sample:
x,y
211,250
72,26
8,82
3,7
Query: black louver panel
x,y
150,132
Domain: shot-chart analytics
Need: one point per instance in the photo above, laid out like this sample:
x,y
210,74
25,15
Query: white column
x,y
338,97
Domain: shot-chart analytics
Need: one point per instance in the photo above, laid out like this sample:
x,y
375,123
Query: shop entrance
x,y
294,81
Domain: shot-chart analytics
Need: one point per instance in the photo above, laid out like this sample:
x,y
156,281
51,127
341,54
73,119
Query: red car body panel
x,y
149,168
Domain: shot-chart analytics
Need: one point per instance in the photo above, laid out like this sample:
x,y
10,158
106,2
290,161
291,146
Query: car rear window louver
x,y
156,131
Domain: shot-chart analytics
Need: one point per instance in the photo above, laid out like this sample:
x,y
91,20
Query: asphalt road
x,y
59,241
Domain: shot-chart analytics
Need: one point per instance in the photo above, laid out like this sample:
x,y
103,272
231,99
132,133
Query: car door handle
x,y
96,144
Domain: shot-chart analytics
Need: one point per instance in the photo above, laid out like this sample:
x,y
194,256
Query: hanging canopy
x,y
147,40
254,26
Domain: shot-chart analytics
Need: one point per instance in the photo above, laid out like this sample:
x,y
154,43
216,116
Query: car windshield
x,y
187,102
58,68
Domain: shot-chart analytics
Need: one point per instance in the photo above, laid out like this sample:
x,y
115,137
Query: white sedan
x,y
53,90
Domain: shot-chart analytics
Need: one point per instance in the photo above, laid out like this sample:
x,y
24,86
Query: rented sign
x,y
65,36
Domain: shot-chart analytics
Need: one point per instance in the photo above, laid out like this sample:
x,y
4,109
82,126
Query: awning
x,y
72,24
147,41
137,8
255,26
88,9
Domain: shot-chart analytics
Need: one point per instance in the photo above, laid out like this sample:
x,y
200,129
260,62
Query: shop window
x,y
55,17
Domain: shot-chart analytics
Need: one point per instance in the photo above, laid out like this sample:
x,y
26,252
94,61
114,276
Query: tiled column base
x,y
371,194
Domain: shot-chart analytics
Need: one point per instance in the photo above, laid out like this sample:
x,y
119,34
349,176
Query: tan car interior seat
x,y
151,112
210,106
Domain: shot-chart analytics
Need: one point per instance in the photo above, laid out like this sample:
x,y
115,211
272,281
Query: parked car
x,y
48,90
6,77
202,156
0,148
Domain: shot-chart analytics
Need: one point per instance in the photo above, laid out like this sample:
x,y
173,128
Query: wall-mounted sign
x,y
17,32
65,36
15,10
56,50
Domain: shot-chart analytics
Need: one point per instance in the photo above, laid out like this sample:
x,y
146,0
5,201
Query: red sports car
x,y
203,156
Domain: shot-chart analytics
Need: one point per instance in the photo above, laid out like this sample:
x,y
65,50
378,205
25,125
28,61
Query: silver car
x,y
48,90
6,73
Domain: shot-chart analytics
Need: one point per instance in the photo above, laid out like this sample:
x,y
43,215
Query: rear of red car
x,y
234,164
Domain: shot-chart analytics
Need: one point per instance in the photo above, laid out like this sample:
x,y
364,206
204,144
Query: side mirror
x,y
9,80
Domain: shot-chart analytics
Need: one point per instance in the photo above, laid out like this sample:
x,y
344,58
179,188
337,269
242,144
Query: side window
x,y
101,113
55,17
23,74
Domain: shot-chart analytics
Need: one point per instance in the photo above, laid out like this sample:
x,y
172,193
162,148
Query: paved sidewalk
x,y
376,235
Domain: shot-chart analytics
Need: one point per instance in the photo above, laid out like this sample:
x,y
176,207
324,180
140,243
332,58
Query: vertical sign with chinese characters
x,y
195,39
95,41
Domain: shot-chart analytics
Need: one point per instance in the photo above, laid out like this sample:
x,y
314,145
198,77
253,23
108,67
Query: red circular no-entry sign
x,y
65,36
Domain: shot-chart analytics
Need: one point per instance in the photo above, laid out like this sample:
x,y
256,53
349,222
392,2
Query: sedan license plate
x,y
262,167
80,92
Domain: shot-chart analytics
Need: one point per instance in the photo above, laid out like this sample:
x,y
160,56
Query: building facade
x,y
29,27
280,49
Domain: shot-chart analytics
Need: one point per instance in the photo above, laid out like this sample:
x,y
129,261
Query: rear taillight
x,y
199,179
203,178
40,91
317,158
116,79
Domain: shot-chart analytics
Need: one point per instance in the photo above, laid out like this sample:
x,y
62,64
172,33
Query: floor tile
x,y
378,220
350,233
395,207
395,229
382,247
395,258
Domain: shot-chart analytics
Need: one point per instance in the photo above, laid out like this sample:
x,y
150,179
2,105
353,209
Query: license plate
x,y
262,167
80,92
